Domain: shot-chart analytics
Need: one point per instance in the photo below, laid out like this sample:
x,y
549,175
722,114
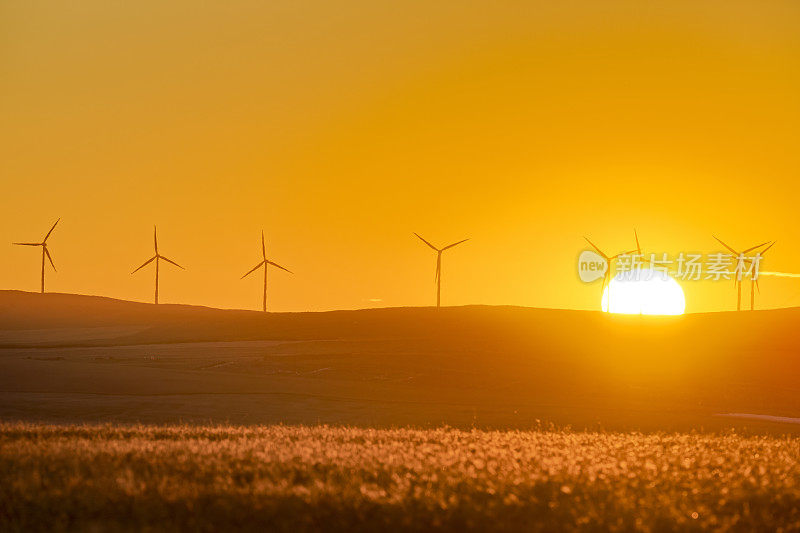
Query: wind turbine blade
x,y
638,247
754,247
597,249
734,252
619,254
762,252
426,242
768,247
51,231
253,269
438,268
263,246
278,266
171,261
454,244
27,243
642,258
155,239
47,253
757,287
145,264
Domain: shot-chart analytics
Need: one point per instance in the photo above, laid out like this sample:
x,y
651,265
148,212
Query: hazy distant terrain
x,y
350,479
67,358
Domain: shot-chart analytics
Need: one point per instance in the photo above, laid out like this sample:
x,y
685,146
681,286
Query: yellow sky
x,y
341,128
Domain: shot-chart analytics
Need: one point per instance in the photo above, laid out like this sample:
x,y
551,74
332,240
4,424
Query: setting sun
x,y
644,292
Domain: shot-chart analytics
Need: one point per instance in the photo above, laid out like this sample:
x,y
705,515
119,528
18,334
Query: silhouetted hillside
x,y
502,366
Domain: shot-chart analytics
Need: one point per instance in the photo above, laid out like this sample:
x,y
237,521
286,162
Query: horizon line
x,y
203,306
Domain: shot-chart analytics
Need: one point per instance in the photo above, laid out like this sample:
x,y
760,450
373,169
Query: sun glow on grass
x,y
643,292
312,478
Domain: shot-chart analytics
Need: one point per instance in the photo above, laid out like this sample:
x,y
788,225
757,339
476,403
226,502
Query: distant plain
x,y
67,358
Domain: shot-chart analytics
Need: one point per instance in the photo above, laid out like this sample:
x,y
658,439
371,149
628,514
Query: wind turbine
x,y
439,266
737,278
609,259
45,251
156,258
754,281
639,248
265,263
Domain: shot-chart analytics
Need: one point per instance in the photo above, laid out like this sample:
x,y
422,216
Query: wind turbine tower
x,y
264,263
157,257
45,251
439,266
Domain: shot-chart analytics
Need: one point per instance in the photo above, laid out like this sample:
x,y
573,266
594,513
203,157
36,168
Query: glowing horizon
x,y
340,130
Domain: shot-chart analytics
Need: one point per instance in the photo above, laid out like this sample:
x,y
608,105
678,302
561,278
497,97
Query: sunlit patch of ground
x,y
767,418
344,479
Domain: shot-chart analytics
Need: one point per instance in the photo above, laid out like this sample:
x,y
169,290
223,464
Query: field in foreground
x,y
343,479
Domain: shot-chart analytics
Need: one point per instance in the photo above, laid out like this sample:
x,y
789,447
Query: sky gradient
x,y
341,129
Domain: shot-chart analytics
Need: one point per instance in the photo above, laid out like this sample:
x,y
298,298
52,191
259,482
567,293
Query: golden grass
x,y
342,479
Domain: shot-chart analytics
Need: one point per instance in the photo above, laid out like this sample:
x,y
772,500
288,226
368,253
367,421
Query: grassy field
x,y
654,447
294,478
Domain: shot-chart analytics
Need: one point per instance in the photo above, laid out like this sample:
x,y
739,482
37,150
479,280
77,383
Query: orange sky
x,y
342,127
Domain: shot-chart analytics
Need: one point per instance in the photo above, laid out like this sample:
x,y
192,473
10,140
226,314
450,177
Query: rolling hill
x,y
84,358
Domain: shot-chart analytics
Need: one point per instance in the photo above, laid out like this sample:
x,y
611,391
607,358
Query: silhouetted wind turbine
x,y
639,248
156,258
754,281
439,266
265,263
609,259
45,251
737,278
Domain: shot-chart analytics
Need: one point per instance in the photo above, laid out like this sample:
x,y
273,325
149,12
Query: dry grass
x,y
333,478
